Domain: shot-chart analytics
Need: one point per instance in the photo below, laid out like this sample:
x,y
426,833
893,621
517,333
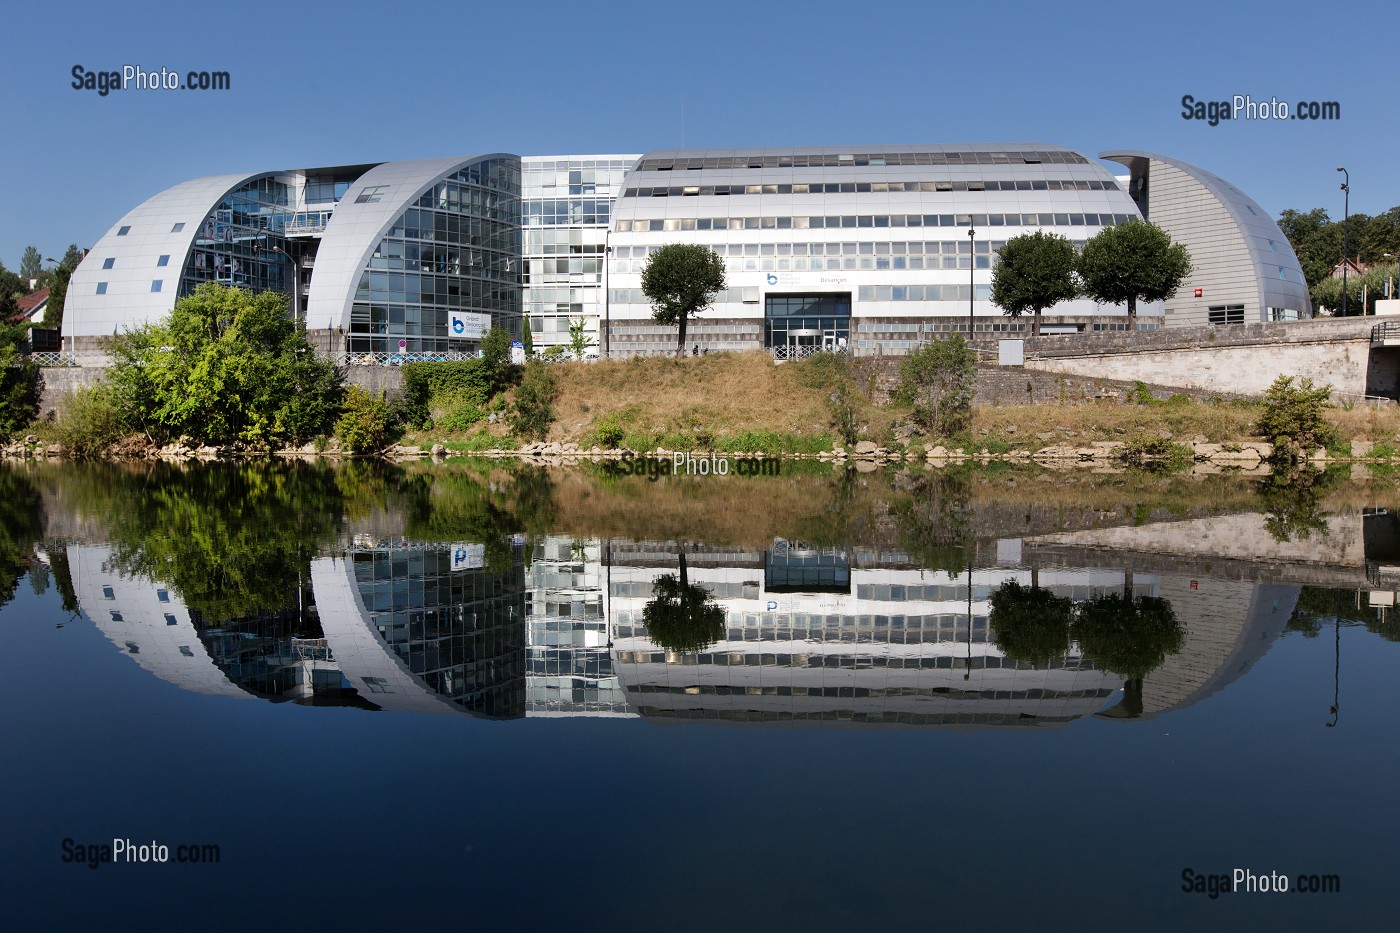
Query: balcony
x,y
306,223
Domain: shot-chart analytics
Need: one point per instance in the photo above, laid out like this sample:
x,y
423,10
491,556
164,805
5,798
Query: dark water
x,y
501,698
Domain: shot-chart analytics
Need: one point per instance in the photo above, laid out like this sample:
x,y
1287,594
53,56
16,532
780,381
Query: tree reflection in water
x,y
680,616
1030,624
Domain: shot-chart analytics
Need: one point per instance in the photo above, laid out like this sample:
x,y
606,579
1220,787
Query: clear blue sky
x,y
326,84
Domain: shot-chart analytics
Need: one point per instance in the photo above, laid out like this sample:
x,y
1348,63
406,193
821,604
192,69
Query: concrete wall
x,y
1237,358
60,382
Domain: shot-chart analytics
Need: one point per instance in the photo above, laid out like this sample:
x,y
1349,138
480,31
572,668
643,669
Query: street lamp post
x,y
607,296
971,278
1346,215
296,278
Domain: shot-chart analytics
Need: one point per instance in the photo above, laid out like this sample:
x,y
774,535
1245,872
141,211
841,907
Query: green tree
x,y
1034,271
534,401
1129,635
1363,290
495,353
1316,241
12,289
1030,624
1132,262
58,287
226,366
19,381
21,526
579,341
681,616
364,421
31,264
680,280
938,380
527,337
1294,415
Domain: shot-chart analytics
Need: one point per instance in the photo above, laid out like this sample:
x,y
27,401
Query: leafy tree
x,y
1034,271
1030,624
72,256
31,264
1294,416
534,401
19,381
495,353
527,338
934,522
1316,241
1292,499
579,341
12,289
680,280
938,379
226,366
1363,290
21,525
1130,636
1132,262
681,616
364,421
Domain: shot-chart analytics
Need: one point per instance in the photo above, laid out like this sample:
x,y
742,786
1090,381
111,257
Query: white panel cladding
x,y
756,266
1229,236
1220,256
128,301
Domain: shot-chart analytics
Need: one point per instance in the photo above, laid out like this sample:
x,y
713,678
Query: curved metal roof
x,y
356,228
150,233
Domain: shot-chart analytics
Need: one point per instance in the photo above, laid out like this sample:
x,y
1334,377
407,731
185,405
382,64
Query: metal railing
x,y
397,358
303,224
784,353
1386,330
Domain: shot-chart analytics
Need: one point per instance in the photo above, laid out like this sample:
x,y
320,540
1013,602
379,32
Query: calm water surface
x,y
503,698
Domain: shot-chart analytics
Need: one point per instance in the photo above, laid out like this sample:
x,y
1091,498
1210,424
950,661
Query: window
x,y
1225,314
123,231
108,593
185,650
170,619
108,262
155,286
163,261
163,595
116,616
377,684
101,288
1273,246
372,194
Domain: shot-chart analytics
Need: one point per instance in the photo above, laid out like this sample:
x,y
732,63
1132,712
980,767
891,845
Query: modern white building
x,y
871,248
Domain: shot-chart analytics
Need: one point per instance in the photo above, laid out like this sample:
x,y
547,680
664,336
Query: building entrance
x,y
799,325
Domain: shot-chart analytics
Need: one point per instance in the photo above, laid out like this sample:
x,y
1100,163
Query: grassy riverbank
x,y
745,402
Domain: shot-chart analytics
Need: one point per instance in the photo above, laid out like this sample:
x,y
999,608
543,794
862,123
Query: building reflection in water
x,y
855,636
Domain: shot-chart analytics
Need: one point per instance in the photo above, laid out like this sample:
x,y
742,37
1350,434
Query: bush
x,y
534,401
364,421
461,418
1294,415
19,383
455,383
608,433
90,422
937,379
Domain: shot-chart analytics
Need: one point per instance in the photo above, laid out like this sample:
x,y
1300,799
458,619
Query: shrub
x,y
364,421
608,433
937,379
461,418
534,401
460,381
1293,414
19,383
90,422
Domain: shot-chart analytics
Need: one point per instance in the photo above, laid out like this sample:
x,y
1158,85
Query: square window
x,y
178,227
155,286
108,593
108,262
163,595
170,619
163,261
185,650
101,288
123,231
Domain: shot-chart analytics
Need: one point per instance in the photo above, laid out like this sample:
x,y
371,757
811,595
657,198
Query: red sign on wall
x,y
1200,292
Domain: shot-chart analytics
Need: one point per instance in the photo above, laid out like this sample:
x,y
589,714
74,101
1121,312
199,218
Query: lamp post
x,y
971,278
296,278
607,296
1346,215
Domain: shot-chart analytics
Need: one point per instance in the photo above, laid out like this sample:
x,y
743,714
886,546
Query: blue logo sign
x,y
517,345
458,325
460,555
772,279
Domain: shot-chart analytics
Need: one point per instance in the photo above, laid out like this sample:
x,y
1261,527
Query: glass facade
x,y
567,204
462,632
455,249
822,320
236,241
